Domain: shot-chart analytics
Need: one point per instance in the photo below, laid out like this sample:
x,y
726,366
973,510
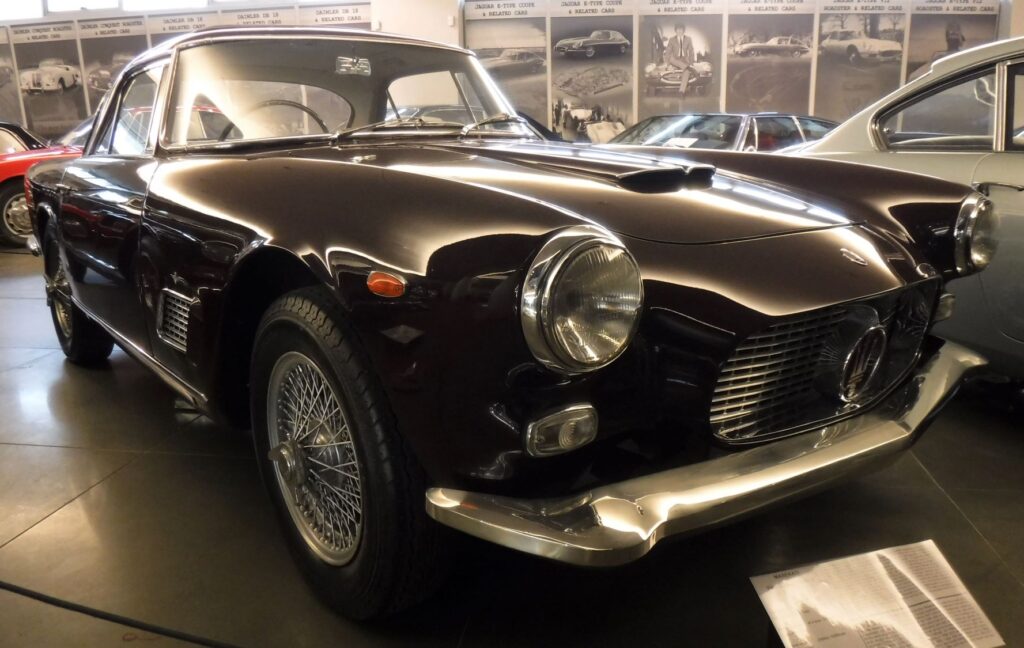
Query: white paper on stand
x,y
900,597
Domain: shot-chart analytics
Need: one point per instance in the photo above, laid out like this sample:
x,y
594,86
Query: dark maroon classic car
x,y
432,324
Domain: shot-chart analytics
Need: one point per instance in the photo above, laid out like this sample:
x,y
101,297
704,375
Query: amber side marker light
x,y
385,284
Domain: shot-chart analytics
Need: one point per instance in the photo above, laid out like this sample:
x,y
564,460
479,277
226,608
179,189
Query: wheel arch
x,y
261,277
44,211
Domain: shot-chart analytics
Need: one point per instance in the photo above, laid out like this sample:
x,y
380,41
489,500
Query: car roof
x,y
978,55
210,33
757,114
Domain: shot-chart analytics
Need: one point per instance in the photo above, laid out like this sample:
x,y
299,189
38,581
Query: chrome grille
x,y
173,324
771,374
794,373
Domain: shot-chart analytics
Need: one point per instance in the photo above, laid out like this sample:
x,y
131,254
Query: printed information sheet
x,y
905,596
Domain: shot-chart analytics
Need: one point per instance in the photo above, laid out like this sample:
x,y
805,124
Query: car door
x,y
101,210
1000,175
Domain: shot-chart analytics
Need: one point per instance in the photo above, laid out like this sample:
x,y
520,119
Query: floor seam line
x,y
963,514
65,504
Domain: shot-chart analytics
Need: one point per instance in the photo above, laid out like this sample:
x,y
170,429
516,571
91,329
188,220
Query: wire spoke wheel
x,y
58,289
315,458
16,215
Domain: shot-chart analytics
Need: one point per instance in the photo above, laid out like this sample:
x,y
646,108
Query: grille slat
x,y
770,374
174,316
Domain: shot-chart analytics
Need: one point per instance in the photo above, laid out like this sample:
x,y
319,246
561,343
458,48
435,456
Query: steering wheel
x,y
276,102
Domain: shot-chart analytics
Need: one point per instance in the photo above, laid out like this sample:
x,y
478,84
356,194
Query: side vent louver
x,y
172,325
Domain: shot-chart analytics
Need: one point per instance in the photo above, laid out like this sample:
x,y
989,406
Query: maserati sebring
x,y
435,324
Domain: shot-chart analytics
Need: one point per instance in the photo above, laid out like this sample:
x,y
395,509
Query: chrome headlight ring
x,y
538,297
976,220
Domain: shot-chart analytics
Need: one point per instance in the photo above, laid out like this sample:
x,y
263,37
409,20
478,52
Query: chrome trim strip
x,y
621,522
194,396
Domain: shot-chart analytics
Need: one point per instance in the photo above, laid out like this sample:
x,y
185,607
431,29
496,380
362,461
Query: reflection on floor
x,y
115,497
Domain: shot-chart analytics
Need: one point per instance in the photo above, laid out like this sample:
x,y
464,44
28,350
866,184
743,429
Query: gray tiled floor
x,y
115,497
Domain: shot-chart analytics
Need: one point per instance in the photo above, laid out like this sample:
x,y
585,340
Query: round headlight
x,y
581,300
975,234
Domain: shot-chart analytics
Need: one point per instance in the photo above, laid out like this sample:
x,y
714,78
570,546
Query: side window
x,y
957,117
1015,108
813,129
135,113
774,133
428,95
9,143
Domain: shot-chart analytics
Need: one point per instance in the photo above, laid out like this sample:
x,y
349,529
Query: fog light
x,y
944,309
562,431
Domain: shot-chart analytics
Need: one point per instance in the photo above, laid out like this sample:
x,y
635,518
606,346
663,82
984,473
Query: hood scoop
x,y
667,180
633,172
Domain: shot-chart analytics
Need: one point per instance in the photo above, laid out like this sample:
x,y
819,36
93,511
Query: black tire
x,y
853,56
9,232
590,52
400,555
83,341
63,86
622,49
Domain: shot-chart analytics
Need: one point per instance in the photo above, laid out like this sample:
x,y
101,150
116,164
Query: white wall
x,y
1016,17
437,20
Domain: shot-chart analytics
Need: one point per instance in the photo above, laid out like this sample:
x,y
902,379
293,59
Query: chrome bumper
x,y
618,523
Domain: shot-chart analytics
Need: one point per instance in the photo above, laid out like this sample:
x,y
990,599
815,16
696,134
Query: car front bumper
x,y
621,522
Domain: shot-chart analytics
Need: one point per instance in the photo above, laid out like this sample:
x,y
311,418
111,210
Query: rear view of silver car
x,y
962,121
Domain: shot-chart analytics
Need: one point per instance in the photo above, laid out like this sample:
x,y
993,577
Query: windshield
x,y
50,62
270,88
688,131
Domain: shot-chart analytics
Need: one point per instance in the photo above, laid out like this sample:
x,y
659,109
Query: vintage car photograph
x,y
775,46
515,62
729,132
51,75
600,41
666,78
857,48
649,368
102,77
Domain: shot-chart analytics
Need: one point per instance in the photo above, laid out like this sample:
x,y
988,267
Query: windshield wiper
x,y
402,122
500,118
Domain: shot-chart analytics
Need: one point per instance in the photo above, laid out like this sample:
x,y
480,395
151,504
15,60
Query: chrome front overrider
x,y
620,522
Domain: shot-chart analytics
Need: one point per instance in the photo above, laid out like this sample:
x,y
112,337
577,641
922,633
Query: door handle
x,y
984,187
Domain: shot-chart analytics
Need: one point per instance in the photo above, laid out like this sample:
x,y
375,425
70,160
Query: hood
x,y
572,41
656,198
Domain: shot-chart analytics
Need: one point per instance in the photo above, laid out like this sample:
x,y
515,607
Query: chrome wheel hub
x,y
16,216
314,458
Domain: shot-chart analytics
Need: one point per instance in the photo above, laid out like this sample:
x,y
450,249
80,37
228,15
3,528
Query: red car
x,y
15,224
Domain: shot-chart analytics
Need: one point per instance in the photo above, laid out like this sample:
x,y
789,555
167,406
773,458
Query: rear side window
x,y
956,117
774,133
814,129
